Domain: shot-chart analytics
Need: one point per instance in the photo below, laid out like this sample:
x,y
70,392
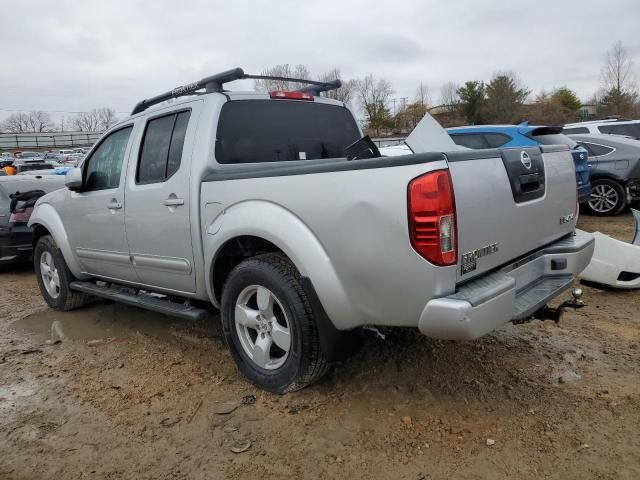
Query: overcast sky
x,y
76,55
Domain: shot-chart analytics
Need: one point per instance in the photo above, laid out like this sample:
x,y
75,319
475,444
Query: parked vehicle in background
x,y
524,135
614,163
275,209
25,165
615,126
30,156
16,238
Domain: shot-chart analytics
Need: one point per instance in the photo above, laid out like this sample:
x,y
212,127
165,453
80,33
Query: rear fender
x,y
284,229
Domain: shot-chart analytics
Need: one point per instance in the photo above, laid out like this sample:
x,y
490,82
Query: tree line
x,y
37,121
502,99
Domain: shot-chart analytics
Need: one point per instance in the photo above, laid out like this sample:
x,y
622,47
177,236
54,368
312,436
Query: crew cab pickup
x,y
273,208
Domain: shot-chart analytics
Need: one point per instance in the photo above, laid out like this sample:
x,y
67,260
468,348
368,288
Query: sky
x,y
66,56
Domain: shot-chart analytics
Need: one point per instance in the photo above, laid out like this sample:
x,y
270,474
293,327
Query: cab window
x,y
103,168
161,150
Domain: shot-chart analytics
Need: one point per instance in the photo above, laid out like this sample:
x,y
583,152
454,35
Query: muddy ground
x,y
132,394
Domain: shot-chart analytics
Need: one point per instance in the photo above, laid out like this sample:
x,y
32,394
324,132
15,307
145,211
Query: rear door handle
x,y
114,206
173,202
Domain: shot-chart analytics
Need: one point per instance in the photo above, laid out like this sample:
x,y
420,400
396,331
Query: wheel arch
x,y
249,228
46,221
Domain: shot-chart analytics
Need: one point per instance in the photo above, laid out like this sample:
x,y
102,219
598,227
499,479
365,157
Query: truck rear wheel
x,y
269,325
54,276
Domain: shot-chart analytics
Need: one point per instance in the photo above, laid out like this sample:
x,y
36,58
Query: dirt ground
x,y
132,394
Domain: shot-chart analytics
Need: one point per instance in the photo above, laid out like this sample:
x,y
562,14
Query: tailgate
x,y
510,202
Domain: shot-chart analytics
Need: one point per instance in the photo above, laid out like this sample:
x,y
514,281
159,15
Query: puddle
x,y
99,321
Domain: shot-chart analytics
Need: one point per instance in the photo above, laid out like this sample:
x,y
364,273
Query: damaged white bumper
x,y
615,263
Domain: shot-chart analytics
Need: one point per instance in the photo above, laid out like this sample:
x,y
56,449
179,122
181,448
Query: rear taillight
x,y
292,95
432,217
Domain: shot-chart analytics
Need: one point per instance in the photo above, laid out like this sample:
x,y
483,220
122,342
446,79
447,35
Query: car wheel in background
x,y
608,197
54,276
269,325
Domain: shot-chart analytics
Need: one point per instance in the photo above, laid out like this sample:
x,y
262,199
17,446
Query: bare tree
x,y
374,95
344,93
33,122
449,98
617,73
96,120
422,95
284,70
106,118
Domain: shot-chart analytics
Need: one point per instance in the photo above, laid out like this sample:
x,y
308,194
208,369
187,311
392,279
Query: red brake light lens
x,y
432,218
292,96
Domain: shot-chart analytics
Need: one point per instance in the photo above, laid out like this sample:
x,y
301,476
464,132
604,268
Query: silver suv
x,y
273,208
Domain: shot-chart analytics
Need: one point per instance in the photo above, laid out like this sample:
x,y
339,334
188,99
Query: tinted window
x,y
104,166
598,150
469,140
161,149
251,131
572,131
495,140
630,129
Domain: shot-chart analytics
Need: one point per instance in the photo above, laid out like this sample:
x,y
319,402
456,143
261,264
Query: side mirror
x,y
73,179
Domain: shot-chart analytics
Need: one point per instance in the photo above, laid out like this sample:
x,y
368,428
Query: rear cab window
x,y
262,131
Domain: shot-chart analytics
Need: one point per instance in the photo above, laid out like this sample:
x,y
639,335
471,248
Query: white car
x,y
615,126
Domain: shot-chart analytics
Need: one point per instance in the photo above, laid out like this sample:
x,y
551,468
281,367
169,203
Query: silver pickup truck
x,y
274,209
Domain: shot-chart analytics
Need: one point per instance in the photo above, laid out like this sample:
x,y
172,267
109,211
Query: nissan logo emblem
x,y
525,159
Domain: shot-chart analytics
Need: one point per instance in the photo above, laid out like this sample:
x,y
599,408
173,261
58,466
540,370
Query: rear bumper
x,y
514,292
15,245
584,192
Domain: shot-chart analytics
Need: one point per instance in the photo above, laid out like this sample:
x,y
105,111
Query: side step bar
x,y
125,295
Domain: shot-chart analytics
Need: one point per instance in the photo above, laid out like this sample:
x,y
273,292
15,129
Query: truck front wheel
x,y
54,276
269,325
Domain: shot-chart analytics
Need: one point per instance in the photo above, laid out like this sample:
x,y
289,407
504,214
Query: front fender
x,y
44,214
288,232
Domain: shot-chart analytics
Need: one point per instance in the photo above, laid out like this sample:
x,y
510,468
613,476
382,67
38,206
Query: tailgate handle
x,y
529,182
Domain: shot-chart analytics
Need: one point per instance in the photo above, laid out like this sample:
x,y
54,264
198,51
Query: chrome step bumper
x,y
513,292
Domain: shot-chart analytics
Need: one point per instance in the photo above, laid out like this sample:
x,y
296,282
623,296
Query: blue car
x,y
523,135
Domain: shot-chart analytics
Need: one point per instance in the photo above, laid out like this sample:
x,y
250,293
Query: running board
x,y
143,300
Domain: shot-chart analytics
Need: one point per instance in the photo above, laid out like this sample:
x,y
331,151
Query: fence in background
x,y
47,141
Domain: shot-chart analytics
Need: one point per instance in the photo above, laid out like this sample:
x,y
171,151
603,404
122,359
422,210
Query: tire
x,y
49,263
608,198
256,330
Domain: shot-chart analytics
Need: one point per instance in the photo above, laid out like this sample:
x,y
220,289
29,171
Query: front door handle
x,y
173,202
114,206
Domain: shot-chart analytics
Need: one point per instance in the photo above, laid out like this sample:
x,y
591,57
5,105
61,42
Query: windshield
x,y
555,139
252,131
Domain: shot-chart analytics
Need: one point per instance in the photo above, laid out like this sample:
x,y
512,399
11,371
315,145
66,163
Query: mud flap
x,y
337,345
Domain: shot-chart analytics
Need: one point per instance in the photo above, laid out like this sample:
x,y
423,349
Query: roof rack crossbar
x,y
215,83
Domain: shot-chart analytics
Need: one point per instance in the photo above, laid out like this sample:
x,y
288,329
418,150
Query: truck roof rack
x,y
214,83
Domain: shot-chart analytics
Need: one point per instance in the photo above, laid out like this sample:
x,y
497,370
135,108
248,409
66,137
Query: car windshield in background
x,y
252,131
554,139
